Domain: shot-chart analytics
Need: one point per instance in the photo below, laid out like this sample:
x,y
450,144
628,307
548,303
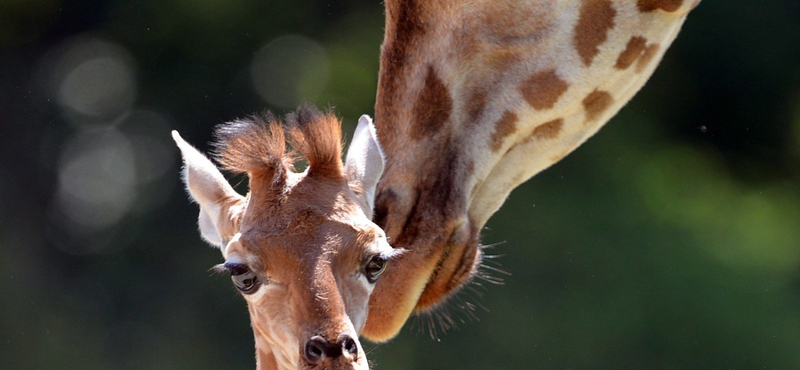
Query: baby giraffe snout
x,y
343,350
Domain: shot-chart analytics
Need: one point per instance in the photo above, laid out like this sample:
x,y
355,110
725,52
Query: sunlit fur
x,y
474,98
304,234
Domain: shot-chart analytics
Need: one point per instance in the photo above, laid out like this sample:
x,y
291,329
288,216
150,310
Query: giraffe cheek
x,y
355,295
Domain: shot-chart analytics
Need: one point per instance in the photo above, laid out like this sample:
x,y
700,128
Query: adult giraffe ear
x,y
364,163
219,204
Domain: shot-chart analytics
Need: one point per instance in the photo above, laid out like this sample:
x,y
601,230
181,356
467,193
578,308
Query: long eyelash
x,y
396,253
219,269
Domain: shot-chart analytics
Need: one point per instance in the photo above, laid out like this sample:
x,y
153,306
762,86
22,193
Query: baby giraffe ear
x,y
364,163
219,203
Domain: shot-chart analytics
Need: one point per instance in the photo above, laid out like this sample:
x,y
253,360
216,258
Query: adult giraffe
x,y
474,98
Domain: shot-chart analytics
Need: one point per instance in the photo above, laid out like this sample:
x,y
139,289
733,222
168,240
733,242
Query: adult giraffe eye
x,y
374,268
243,278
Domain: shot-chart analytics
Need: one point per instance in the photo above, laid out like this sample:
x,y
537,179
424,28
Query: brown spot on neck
x,y
404,27
596,103
596,18
506,126
543,89
548,130
665,5
631,53
432,108
477,104
637,51
648,55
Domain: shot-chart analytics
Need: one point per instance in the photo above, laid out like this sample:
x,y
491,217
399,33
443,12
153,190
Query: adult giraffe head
x,y
300,247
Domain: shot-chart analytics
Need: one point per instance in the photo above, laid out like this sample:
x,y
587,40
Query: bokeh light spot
x,y
97,179
102,87
92,80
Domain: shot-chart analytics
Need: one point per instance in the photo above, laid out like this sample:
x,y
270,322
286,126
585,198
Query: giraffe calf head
x,y
300,247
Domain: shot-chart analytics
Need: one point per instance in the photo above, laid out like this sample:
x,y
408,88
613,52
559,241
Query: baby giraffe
x,y
301,247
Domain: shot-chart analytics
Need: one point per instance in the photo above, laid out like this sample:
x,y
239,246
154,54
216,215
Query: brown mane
x,y
318,137
257,145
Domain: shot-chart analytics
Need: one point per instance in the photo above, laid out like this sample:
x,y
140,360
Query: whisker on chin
x,y
376,345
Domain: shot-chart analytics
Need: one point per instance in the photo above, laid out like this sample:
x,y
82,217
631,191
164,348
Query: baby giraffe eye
x,y
243,278
374,268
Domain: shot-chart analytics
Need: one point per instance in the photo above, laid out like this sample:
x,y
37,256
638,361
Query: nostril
x,y
318,349
349,345
315,349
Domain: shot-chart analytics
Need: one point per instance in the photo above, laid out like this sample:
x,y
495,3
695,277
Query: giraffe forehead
x,y
307,246
303,205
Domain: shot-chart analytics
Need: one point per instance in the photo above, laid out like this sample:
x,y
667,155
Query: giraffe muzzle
x,y
341,353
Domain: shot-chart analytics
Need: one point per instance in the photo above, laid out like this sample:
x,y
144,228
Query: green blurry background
x,y
671,240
